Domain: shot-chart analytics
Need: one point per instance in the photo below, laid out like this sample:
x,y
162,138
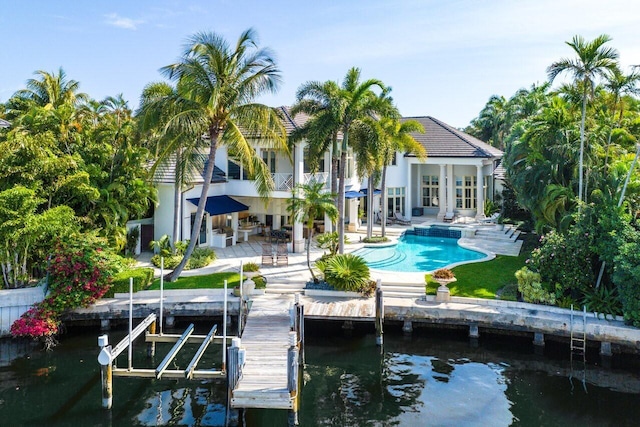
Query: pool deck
x,y
292,278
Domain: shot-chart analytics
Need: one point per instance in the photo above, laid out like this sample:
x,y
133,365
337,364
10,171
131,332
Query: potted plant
x,y
500,222
443,276
251,269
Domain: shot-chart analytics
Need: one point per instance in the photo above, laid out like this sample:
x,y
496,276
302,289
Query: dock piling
x,y
106,373
379,313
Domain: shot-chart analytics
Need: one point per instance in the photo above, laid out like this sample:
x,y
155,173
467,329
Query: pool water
x,y
418,254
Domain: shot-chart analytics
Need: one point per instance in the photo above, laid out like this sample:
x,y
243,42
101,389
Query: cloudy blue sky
x,y
442,58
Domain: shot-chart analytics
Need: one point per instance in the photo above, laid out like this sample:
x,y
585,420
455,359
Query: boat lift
x,y
108,354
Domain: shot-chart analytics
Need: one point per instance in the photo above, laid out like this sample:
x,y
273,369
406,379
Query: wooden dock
x,y
266,341
325,308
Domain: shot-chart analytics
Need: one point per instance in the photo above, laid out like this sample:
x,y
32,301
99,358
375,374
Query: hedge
x,y
142,278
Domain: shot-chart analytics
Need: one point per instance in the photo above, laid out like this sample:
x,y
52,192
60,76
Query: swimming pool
x,y
415,253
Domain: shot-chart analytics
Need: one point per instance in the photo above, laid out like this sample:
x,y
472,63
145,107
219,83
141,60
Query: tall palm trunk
x,y
383,196
334,173
584,114
214,133
309,237
341,188
177,196
370,212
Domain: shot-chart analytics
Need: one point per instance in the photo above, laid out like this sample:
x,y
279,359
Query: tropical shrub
x,y
80,272
531,288
565,260
330,241
260,281
142,278
603,300
375,239
345,272
626,277
201,257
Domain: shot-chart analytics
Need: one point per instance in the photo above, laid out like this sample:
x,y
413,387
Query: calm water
x,y
418,253
434,377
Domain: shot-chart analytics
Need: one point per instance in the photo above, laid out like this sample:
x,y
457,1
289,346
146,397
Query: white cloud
x,y
121,22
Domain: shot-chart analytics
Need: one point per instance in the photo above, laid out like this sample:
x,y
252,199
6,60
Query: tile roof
x,y
291,123
442,140
166,173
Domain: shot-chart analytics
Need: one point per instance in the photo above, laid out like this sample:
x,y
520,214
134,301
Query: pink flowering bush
x,y
79,274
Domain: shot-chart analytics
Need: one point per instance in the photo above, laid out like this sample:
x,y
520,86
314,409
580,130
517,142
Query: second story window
x,y
269,157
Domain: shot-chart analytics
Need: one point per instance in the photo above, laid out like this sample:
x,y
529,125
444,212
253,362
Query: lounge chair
x,y
378,220
267,254
449,217
491,220
400,219
282,256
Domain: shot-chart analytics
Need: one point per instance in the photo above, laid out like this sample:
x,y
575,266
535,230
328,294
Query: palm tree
x,y
310,201
317,100
216,87
52,90
593,60
395,135
353,101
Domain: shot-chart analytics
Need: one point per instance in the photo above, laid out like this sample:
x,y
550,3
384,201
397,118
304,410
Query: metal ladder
x,y
578,347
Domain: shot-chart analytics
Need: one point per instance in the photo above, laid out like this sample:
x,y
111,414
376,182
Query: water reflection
x,y
348,381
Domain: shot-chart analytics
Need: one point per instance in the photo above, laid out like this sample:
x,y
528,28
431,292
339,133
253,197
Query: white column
x,y
451,181
442,192
407,195
234,225
479,193
298,171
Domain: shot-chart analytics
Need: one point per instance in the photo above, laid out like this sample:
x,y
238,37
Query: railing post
x,y
151,346
234,365
379,313
106,373
292,365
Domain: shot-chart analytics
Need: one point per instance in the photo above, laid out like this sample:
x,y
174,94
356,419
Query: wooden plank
x,y
266,341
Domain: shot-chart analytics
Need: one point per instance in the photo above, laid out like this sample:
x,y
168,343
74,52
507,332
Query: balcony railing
x,y
316,177
284,181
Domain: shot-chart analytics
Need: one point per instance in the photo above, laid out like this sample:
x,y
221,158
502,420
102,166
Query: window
x,y
466,192
202,238
395,201
430,190
394,159
307,168
235,170
269,157
350,164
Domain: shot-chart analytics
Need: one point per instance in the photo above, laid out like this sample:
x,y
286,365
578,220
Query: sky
x,y
441,58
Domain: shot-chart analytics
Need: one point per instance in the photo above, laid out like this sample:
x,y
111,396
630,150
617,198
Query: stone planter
x,y
443,294
251,274
248,286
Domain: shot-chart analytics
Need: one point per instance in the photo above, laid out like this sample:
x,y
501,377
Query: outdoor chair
x,y
267,254
400,219
449,217
491,220
282,256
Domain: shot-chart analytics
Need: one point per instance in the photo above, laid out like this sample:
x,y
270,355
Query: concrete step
x,y
391,294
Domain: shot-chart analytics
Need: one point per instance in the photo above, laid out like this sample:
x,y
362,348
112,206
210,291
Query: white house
x,y
456,178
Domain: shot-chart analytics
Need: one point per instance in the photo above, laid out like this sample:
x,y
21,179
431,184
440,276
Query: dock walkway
x,y
266,341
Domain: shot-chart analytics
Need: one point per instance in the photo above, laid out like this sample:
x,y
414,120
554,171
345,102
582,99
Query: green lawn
x,y
210,281
482,279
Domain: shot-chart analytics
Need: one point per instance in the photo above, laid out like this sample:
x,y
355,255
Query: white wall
x,y
14,302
